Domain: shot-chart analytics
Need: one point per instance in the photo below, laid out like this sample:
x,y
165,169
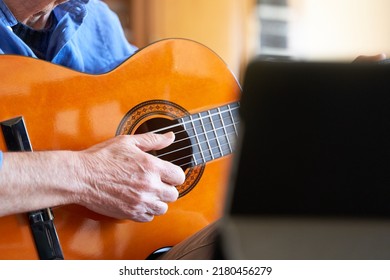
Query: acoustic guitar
x,y
173,84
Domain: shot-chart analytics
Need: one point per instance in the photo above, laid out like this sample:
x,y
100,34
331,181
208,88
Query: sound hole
x,y
180,151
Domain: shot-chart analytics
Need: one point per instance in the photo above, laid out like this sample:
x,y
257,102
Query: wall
x,y
226,26
318,30
122,9
339,29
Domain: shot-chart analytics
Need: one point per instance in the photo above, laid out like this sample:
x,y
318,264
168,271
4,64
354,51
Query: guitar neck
x,y
213,132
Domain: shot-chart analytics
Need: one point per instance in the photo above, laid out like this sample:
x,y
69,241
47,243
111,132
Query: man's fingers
x,y
370,58
172,175
152,141
169,173
158,208
168,194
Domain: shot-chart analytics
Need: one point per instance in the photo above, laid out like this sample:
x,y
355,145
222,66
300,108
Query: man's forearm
x,y
30,181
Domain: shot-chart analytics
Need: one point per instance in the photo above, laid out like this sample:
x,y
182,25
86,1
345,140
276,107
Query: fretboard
x,y
213,133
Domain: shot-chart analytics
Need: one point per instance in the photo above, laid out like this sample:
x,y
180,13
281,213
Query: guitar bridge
x,y
41,221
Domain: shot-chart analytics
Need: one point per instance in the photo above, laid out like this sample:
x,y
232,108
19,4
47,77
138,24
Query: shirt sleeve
x,y
1,159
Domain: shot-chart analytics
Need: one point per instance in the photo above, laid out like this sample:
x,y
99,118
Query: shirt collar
x,y
75,8
6,17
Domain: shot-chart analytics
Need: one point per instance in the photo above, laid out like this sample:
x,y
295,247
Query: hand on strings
x,y
118,178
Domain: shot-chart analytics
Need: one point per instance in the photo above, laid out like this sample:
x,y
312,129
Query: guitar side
x,y
65,109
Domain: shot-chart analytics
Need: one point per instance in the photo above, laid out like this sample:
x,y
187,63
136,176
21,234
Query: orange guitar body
x,y
65,109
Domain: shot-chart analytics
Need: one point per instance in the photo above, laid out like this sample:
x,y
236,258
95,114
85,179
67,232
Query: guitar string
x,y
205,159
209,116
201,117
198,134
194,128
202,142
208,157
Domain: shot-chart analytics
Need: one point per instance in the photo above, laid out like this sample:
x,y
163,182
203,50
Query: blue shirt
x,y
88,37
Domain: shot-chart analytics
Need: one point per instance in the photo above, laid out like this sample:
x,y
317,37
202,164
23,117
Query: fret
x,y
234,113
220,132
212,133
188,126
230,118
225,139
203,117
201,138
235,116
215,128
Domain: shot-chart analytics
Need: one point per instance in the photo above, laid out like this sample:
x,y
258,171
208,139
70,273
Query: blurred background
x,y
239,29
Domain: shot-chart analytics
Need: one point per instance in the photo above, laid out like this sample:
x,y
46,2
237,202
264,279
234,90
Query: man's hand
x,y
370,58
119,179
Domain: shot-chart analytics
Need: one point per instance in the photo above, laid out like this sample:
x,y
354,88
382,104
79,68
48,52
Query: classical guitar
x,y
174,84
